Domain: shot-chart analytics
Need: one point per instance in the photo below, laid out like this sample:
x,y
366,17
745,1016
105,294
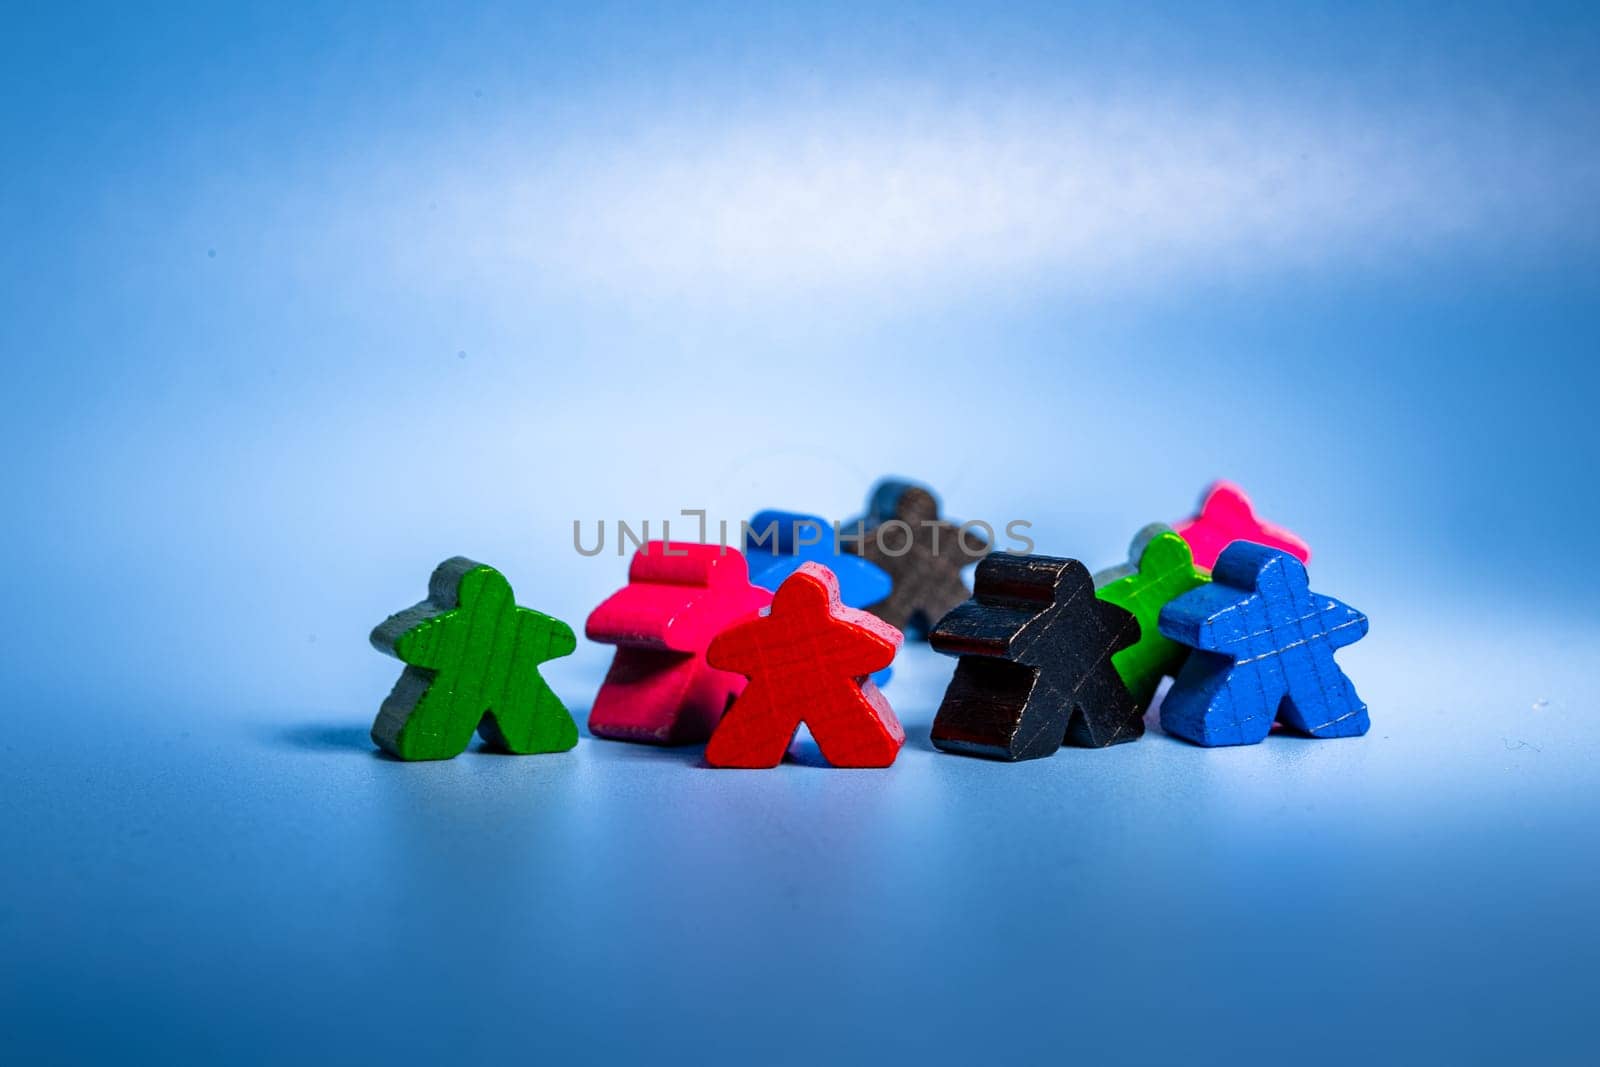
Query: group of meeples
x,y
738,650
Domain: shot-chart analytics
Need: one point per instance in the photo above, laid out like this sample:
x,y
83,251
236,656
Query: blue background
x,y
297,303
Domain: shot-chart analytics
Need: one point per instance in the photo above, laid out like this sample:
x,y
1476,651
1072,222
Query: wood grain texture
x,y
923,557
472,659
1035,669
802,538
1225,516
1160,567
807,661
660,689
1264,647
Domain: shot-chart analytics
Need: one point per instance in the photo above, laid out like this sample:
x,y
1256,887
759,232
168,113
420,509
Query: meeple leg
x,y
989,710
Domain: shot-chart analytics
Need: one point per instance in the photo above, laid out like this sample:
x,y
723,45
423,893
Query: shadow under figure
x,y
326,737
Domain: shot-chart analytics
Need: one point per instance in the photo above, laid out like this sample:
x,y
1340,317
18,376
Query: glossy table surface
x,y
251,884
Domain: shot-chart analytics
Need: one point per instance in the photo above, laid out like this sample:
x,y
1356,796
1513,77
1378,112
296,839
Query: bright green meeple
x,y
1160,567
472,661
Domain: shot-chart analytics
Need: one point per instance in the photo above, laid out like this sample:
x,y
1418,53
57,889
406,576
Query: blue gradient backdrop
x,y
299,301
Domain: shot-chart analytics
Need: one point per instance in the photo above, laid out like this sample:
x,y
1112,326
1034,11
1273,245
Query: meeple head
x,y
1257,568
459,578
1040,579
482,581
906,501
1157,549
794,530
1225,500
811,589
687,563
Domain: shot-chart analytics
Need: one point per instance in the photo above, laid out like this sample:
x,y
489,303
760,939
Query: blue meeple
x,y
778,542
1264,645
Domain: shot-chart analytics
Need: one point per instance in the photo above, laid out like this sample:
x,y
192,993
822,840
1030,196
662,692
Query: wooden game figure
x,y
1035,670
1226,516
808,662
924,554
679,596
472,663
1264,647
801,538
778,542
1160,566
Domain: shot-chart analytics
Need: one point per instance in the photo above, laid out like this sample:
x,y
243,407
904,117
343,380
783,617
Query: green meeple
x,y
1160,567
472,663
